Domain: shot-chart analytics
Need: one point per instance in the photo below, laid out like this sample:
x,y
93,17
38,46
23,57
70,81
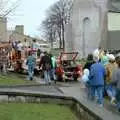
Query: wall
x,y
89,26
80,13
113,40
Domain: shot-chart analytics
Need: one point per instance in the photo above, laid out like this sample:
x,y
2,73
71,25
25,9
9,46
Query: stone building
x,y
3,29
18,35
88,27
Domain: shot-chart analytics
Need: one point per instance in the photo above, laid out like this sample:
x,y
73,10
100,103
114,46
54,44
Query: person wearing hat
x,y
110,67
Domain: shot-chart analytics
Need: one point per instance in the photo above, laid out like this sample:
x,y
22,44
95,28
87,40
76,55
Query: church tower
x,y
88,26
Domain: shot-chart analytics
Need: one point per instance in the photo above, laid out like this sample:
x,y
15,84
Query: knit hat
x,y
111,57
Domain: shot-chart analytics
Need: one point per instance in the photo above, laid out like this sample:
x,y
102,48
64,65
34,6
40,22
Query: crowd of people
x,y
101,76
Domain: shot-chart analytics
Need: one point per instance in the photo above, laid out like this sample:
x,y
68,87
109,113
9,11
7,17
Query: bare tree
x,y
7,7
58,15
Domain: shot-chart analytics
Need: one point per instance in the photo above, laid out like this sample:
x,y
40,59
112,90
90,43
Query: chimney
x,y
19,29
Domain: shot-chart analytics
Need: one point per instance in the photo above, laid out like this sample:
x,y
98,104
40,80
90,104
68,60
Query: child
x,y
85,77
85,81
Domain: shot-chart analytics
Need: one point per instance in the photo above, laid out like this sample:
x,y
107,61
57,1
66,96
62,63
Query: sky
x,y
30,13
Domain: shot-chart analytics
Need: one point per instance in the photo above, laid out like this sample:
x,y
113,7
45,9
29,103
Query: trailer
x,y
68,69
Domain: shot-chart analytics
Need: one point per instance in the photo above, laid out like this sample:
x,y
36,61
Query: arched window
x,y
86,34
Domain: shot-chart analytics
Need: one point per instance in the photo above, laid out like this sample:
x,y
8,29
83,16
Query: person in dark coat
x,y
89,62
45,63
88,65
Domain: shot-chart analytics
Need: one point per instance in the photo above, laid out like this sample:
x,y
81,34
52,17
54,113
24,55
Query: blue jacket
x,y
97,74
31,61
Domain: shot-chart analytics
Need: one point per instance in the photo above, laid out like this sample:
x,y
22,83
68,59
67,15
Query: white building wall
x,y
89,26
113,21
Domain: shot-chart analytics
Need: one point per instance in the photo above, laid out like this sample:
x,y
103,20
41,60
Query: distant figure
x,y
31,65
25,43
38,53
45,63
20,48
96,79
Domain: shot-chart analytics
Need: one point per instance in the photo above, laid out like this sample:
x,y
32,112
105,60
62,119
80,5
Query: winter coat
x,y
97,74
45,62
116,78
110,67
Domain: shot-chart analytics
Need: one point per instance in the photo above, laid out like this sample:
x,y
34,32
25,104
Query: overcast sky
x,y
30,13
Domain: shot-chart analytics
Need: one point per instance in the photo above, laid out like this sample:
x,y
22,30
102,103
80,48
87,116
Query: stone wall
x,y
82,112
88,28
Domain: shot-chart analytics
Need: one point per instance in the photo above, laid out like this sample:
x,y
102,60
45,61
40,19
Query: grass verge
x,y
13,79
16,111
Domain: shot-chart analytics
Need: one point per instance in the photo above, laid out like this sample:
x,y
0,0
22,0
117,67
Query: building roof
x,y
4,45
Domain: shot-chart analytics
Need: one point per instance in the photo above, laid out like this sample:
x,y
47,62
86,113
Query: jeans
x,y
53,74
97,91
118,98
111,91
30,71
47,76
88,90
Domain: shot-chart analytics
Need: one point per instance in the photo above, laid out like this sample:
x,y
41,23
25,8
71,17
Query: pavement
x,y
78,91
